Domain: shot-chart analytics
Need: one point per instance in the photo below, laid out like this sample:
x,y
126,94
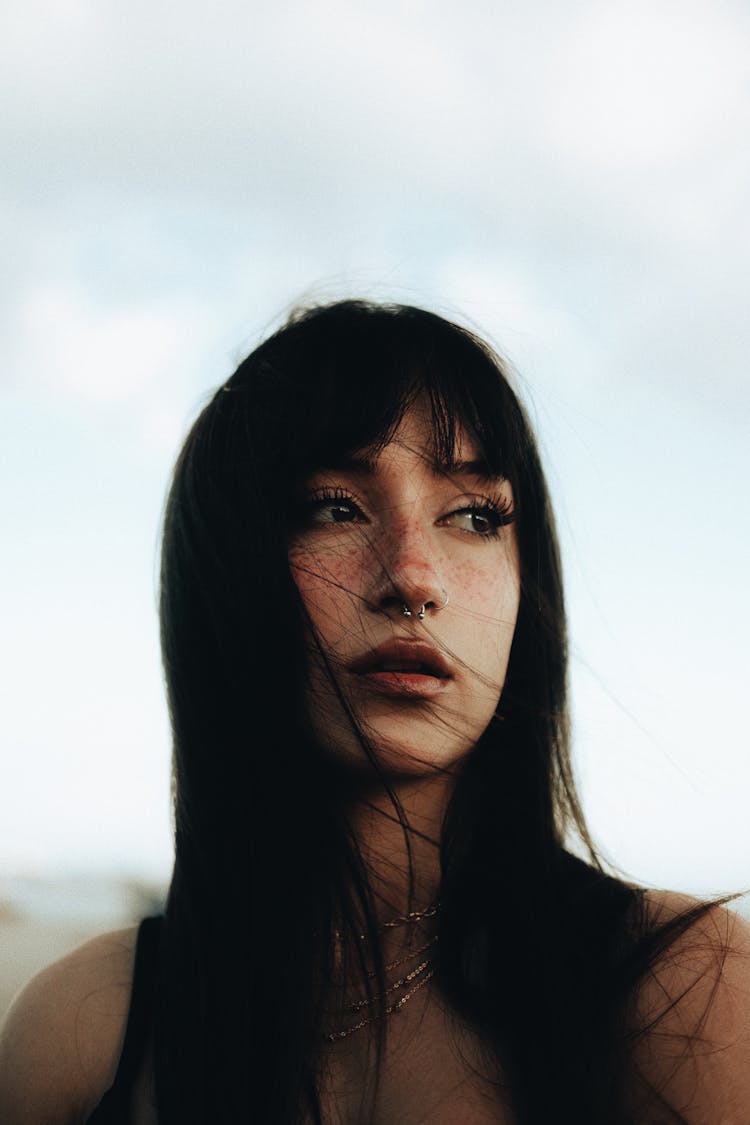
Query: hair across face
x,y
408,574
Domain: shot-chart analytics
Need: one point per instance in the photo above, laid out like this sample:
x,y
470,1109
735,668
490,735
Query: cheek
x,y
492,595
327,583
493,591
475,585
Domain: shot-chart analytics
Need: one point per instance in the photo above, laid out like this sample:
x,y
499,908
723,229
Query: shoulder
x,y
61,1042
693,1007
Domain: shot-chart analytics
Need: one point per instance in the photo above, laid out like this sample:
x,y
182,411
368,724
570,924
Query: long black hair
x,y
539,950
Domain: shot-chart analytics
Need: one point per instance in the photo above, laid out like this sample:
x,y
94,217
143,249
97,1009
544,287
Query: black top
x,y
114,1108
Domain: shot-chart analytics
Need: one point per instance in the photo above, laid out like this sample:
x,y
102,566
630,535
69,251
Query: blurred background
x,y
571,179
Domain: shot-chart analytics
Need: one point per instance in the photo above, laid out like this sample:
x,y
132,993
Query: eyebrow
x,y
367,467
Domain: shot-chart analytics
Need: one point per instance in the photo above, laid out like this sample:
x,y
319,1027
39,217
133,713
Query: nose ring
x,y
407,612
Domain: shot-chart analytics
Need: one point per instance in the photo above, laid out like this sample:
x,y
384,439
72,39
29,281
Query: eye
x,y
329,507
481,517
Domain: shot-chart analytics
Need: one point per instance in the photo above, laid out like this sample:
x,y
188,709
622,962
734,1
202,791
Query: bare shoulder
x,y
695,1005
61,1041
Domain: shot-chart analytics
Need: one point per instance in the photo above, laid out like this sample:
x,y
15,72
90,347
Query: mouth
x,y
405,669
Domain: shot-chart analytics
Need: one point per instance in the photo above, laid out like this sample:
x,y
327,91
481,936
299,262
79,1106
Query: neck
x,y
393,851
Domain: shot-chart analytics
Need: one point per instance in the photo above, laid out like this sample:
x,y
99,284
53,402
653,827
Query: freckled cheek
x,y
491,595
487,587
470,584
328,583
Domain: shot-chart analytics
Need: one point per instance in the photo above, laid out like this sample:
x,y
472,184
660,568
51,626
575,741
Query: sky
x,y
570,179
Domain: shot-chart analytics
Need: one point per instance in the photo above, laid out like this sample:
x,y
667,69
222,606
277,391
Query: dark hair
x,y
539,950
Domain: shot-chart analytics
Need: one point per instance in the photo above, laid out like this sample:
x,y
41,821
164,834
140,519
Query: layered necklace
x,y
400,991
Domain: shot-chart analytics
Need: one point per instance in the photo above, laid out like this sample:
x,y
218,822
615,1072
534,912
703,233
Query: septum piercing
x,y
406,612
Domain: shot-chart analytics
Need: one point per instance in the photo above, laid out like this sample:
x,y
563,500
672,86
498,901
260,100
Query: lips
x,y
404,668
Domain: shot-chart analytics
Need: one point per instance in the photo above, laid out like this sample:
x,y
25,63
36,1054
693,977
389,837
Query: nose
x,y
410,583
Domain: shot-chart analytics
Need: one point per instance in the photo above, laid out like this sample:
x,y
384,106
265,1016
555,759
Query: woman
x,y
373,916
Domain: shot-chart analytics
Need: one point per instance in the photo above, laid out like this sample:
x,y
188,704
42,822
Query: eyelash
x,y
326,497
497,510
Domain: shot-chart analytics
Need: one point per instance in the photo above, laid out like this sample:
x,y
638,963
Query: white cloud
x,y
647,84
102,356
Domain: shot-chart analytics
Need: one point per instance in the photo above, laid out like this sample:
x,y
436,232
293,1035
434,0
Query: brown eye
x,y
481,519
481,523
324,511
335,513
471,519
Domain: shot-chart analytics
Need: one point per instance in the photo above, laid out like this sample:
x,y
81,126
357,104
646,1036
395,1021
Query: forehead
x,y
415,434
412,449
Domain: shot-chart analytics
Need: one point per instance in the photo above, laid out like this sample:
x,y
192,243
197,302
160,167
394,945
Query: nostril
x,y
409,598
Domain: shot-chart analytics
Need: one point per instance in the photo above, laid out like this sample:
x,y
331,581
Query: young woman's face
x,y
390,532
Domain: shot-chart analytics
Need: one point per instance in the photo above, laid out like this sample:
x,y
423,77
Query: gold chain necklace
x,y
334,1036
402,920
422,975
412,916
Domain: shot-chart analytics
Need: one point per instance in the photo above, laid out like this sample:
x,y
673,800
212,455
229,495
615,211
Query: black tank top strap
x,y
114,1107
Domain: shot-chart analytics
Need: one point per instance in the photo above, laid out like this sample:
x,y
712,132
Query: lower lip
x,y
405,685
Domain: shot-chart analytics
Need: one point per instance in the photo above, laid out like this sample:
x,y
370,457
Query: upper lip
x,y
401,651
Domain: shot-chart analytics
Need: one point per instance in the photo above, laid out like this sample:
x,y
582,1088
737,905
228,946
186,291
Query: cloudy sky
x,y
571,178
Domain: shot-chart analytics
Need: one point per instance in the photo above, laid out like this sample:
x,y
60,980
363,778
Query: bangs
x,y
343,377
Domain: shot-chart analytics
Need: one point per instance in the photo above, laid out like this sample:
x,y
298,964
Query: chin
x,y
398,758
403,758
405,746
